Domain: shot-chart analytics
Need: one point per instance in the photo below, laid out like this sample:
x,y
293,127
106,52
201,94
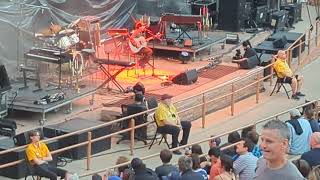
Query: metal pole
x,y
257,89
89,151
132,125
204,109
232,98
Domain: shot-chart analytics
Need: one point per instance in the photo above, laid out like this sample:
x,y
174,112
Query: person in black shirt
x,y
248,52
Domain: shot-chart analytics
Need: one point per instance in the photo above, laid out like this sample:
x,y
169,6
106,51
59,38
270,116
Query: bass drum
x,y
64,42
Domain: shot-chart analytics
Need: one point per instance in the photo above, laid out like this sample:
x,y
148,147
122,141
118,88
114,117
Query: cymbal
x,y
66,31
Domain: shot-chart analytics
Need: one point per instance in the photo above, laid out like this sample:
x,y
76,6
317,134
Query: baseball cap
x,y
166,96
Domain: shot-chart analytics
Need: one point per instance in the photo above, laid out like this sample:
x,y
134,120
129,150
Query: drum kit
x,y
65,39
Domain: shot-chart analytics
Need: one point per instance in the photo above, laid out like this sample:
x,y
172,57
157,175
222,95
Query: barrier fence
x,y
256,74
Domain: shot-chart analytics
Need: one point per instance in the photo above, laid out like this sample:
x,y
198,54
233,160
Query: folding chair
x,y
163,135
30,170
280,84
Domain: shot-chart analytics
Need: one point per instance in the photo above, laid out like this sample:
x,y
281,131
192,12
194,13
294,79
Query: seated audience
x,y
215,142
120,160
232,138
196,166
166,168
315,173
196,149
169,122
303,167
254,137
39,157
274,144
226,169
300,131
248,52
141,172
313,156
246,130
286,76
214,154
185,167
310,116
245,164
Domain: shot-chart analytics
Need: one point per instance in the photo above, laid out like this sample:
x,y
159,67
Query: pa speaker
x,y
250,63
4,79
280,42
186,78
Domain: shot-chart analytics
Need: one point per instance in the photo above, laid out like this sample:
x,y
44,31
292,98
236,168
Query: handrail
x,y
203,140
151,110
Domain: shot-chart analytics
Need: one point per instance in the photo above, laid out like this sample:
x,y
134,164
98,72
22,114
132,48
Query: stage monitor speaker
x,y
250,63
186,78
4,79
231,15
75,125
280,42
23,138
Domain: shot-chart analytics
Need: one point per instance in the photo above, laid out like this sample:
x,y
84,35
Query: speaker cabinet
x,y
4,79
75,125
231,15
186,78
280,42
250,63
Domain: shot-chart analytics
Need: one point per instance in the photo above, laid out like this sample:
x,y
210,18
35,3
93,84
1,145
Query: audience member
x,y
286,76
141,172
120,160
166,168
214,154
232,138
196,166
169,122
303,167
275,137
39,157
214,142
128,174
310,116
300,131
196,149
185,167
246,163
246,130
313,156
226,169
254,137
315,173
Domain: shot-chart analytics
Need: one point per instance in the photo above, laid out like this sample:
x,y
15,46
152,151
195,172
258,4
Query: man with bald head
x,y
286,75
313,156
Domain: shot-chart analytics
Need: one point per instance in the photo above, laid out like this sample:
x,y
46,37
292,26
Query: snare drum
x,y
64,42
74,39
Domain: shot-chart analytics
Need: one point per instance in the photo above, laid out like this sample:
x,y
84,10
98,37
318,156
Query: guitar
x,y
141,42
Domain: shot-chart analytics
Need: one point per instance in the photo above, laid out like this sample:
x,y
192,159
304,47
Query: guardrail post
x,y
289,55
89,151
317,33
257,89
232,98
204,110
299,52
132,125
271,71
309,41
